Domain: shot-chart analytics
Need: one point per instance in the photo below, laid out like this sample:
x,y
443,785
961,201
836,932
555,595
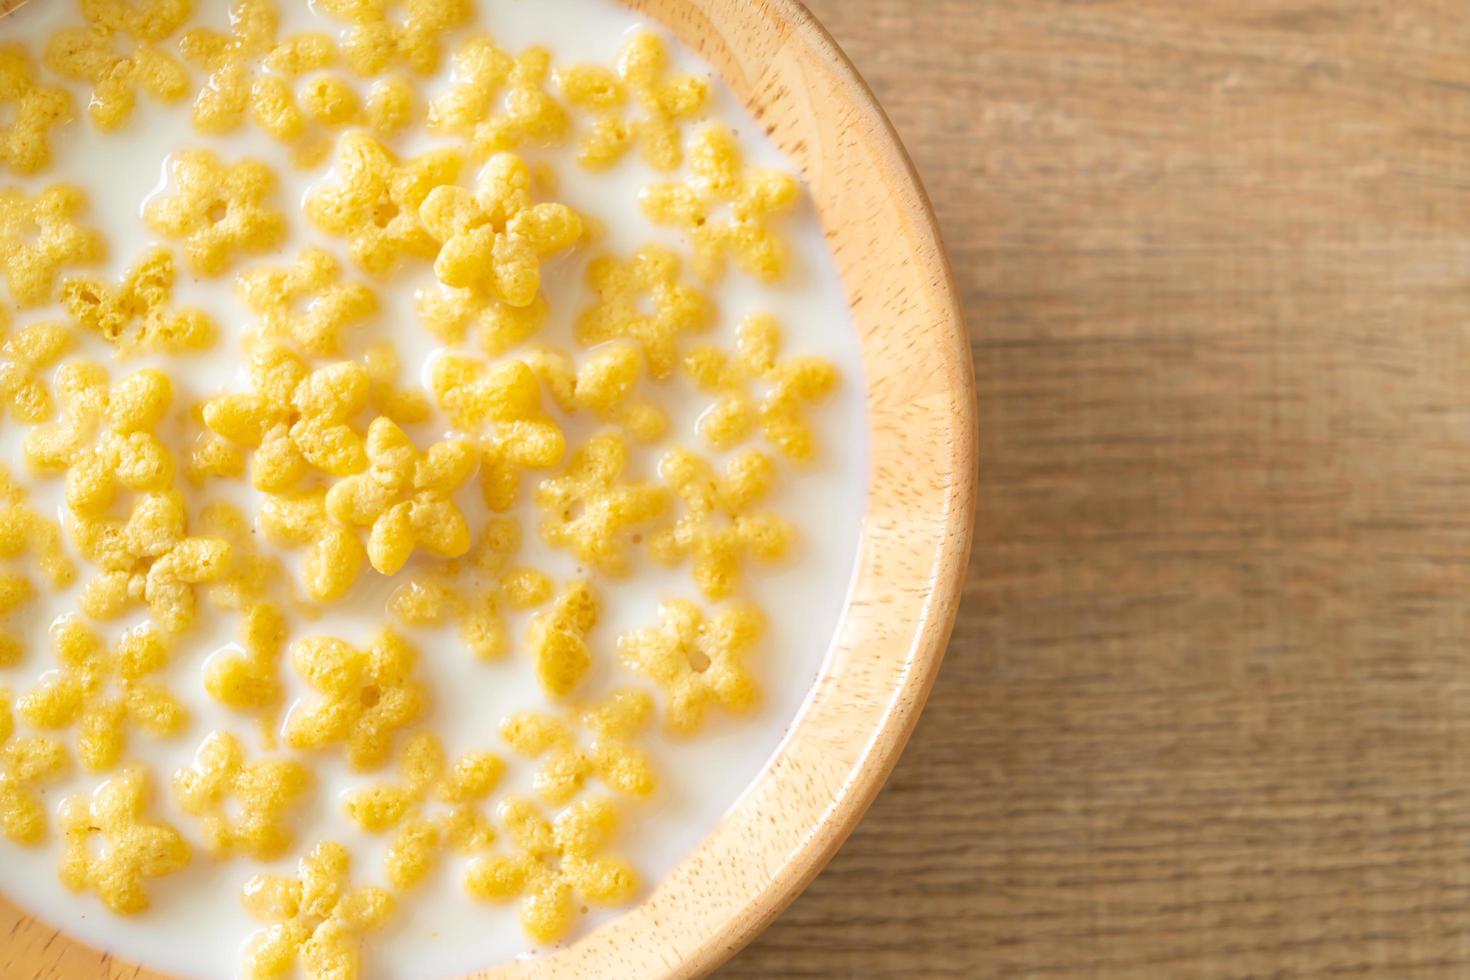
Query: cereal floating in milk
x,y
27,763
242,806
112,846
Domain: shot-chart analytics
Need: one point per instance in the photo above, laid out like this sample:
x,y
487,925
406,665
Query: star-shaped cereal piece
x,y
103,693
557,639
587,511
318,919
425,830
726,209
247,678
378,40
218,210
334,556
603,385
720,527
242,807
137,316
34,110
501,406
40,236
698,662
791,384
495,234
499,102
365,696
641,78
24,531
113,848
373,201
295,418
649,281
405,497
27,764
473,589
120,52
25,356
555,865
307,302
610,756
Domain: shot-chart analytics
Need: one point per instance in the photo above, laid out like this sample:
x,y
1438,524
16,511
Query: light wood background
x,y
1206,712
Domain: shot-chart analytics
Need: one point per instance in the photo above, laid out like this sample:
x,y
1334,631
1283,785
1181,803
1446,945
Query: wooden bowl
x,y
915,536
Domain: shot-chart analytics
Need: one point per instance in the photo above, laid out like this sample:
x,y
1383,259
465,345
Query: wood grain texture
x,y
1206,712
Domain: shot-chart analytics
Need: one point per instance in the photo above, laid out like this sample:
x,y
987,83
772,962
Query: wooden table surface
x,y
1206,712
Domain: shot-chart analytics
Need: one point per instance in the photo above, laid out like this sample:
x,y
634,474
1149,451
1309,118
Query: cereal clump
x,y
219,211
27,763
241,806
99,53
137,316
112,848
34,110
698,662
39,237
567,764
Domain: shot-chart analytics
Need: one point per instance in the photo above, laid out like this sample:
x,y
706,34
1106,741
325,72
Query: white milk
x,y
197,924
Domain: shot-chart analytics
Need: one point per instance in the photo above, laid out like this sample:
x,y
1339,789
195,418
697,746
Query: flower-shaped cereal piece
x,y
26,765
241,806
405,497
35,109
498,102
374,201
112,848
473,589
588,512
604,386
137,315
99,54
557,639
295,418
718,527
25,531
495,234
104,692
377,42
726,209
318,919
307,302
641,77
40,236
557,863
334,556
25,355
649,280
366,696
148,558
610,756
698,662
407,807
791,385
218,210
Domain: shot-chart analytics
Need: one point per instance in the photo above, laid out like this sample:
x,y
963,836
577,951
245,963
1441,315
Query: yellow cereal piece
x,y
719,527
499,102
556,864
39,236
373,201
377,41
557,639
120,53
604,386
390,105
213,457
424,831
610,756
295,419
642,300
102,693
25,356
473,589
641,78
334,557
588,512
112,848
790,386
726,210
248,680
27,764
365,697
317,918
404,497
23,531
307,302
452,315
251,574
242,807
496,235
406,406
218,210
698,662
137,316
34,110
